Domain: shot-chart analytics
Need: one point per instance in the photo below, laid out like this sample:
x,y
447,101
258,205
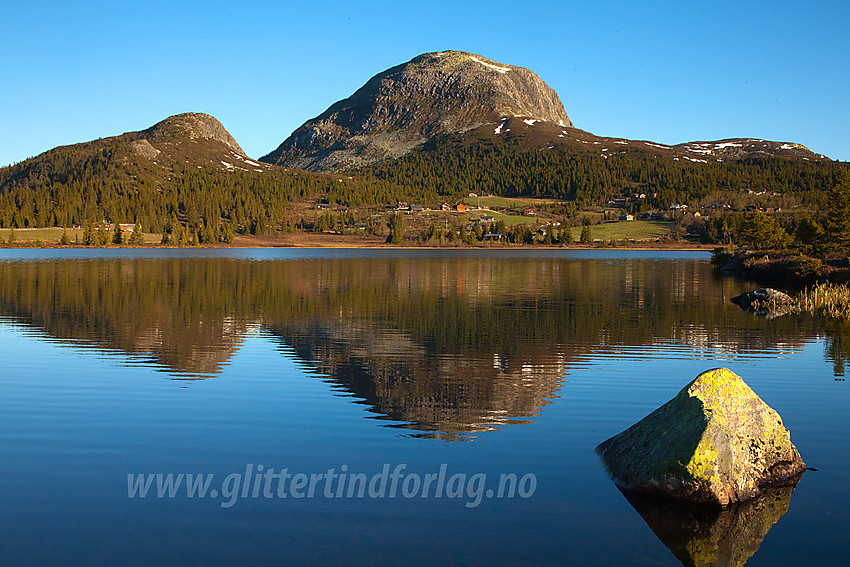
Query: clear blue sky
x,y
664,71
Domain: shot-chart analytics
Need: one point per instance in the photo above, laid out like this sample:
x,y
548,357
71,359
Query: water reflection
x,y
445,346
704,536
445,395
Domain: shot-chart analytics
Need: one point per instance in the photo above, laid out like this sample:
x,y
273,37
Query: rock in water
x,y
765,302
715,442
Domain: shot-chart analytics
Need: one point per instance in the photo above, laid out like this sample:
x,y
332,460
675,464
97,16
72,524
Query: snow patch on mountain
x,y
496,68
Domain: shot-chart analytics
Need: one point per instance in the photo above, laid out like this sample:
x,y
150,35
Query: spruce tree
x,y
136,238
88,236
396,235
838,218
101,235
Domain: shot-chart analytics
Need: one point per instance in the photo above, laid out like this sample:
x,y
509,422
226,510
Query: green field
x,y
45,234
53,235
626,230
504,202
509,220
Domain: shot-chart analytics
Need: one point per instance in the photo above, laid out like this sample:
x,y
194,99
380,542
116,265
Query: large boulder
x,y
716,442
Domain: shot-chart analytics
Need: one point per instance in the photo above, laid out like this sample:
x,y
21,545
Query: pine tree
x,y
585,237
478,232
117,236
761,230
64,239
137,238
396,235
838,218
88,236
101,234
809,235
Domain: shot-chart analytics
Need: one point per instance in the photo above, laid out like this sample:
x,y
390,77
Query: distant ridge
x,y
530,133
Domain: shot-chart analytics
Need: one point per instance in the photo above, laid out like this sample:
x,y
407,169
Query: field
x,y
506,202
54,234
509,220
627,230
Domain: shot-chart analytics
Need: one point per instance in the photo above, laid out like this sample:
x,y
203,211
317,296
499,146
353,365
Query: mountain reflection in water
x,y
445,346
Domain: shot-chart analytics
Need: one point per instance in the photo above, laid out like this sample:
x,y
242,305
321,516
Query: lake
x,y
386,407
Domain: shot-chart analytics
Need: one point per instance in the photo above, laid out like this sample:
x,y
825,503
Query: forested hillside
x,y
186,172
457,166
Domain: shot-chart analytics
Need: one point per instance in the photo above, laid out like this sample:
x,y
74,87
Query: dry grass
x,y
828,299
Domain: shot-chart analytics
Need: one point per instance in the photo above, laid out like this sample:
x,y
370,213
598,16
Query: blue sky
x,y
664,71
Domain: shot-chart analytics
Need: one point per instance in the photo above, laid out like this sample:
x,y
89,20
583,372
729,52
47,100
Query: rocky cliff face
x,y
403,107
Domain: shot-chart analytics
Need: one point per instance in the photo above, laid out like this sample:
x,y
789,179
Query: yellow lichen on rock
x,y
716,441
703,463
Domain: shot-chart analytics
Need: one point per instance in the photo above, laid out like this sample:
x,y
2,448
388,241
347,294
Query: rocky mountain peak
x,y
192,126
396,110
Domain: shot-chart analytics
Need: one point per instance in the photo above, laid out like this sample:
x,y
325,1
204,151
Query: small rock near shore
x,y
716,442
763,299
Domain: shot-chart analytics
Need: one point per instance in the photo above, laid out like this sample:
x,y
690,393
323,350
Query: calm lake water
x,y
260,370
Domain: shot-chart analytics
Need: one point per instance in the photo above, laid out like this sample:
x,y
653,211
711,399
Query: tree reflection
x,y
446,346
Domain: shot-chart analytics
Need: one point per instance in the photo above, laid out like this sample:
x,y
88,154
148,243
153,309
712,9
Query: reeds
x,y
828,299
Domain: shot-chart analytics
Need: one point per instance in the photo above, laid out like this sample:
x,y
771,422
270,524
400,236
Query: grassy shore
x,y
782,268
822,282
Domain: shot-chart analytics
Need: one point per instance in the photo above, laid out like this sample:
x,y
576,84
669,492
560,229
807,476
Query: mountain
x,y
454,93
187,166
431,95
184,140
432,130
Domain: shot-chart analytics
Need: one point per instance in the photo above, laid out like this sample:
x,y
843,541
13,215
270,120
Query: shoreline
x,y
356,247
781,269
306,240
